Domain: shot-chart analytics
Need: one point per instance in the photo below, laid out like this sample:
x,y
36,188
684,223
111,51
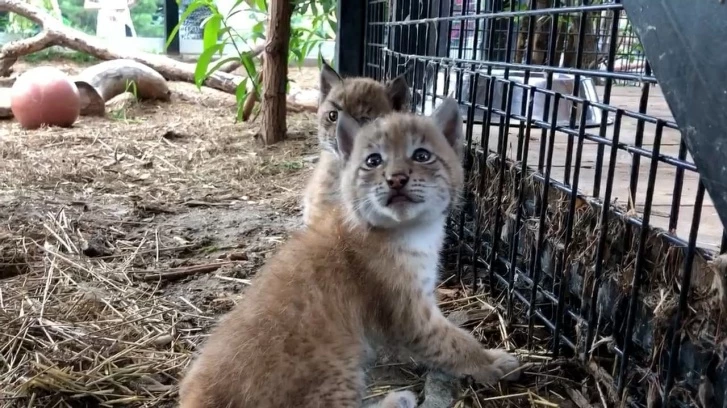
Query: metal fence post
x,y
349,57
171,20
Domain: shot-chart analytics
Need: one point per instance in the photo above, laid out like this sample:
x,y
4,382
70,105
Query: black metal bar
x,y
678,185
612,48
563,291
350,37
502,150
531,67
602,239
171,20
497,14
683,296
639,139
520,182
536,271
640,261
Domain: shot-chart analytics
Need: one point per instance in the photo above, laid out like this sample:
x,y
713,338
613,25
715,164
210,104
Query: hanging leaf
x,y
200,71
211,30
240,96
249,66
261,5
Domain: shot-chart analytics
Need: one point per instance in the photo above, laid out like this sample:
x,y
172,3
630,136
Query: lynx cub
x,y
360,98
364,277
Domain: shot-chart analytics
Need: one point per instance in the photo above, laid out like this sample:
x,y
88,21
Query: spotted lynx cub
x,y
361,98
361,278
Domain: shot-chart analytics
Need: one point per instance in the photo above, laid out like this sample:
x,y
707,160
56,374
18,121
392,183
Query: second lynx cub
x,y
303,333
362,99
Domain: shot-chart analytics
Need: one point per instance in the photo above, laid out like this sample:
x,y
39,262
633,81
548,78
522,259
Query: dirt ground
x,y
123,239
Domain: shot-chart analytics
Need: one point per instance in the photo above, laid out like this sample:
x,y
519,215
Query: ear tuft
x,y
449,120
327,80
346,130
399,94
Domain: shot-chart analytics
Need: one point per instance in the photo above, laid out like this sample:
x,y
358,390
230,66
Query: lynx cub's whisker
x,y
360,278
362,99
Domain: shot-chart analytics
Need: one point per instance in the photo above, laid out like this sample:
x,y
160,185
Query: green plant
x,y
143,15
313,22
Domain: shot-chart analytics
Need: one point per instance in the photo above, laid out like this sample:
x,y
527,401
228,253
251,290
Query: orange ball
x,y
45,96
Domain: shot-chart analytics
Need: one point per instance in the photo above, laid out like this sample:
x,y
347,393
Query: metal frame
x,y
171,19
510,250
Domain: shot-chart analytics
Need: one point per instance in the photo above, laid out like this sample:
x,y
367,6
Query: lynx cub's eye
x,y
373,160
333,116
421,155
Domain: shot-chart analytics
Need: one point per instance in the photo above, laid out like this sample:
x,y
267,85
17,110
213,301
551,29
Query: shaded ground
x,y
123,239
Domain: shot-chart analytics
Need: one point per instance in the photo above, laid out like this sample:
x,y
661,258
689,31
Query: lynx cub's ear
x,y
398,91
346,130
449,121
328,79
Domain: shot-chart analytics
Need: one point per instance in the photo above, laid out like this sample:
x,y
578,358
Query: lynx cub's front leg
x,y
439,343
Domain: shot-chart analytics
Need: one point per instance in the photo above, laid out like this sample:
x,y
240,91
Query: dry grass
x,y
124,239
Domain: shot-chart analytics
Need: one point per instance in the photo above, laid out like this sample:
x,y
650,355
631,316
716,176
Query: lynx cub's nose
x,y
397,181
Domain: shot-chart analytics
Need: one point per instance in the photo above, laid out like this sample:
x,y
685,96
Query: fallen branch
x,y
181,272
54,33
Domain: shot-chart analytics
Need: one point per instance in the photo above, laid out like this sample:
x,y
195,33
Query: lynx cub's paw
x,y
399,399
503,363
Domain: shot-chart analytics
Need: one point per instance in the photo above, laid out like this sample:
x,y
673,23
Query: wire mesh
x,y
583,204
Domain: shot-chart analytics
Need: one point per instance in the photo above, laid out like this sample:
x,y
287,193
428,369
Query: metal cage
x,y
583,208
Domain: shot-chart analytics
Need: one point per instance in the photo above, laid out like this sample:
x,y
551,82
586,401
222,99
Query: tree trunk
x,y
275,71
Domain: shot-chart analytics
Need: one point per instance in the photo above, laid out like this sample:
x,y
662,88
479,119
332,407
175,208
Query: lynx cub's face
x,y
401,168
362,99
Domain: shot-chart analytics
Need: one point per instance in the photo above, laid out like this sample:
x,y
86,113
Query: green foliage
x,y
144,14
147,21
74,15
313,22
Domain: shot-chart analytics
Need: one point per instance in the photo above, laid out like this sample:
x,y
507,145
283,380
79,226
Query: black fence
x,y
584,208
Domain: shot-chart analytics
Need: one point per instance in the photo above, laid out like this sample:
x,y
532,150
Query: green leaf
x,y
320,59
333,24
240,95
249,66
299,55
261,5
200,71
211,31
259,29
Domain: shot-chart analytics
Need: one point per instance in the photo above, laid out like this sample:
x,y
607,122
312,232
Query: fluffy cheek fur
x,y
367,194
